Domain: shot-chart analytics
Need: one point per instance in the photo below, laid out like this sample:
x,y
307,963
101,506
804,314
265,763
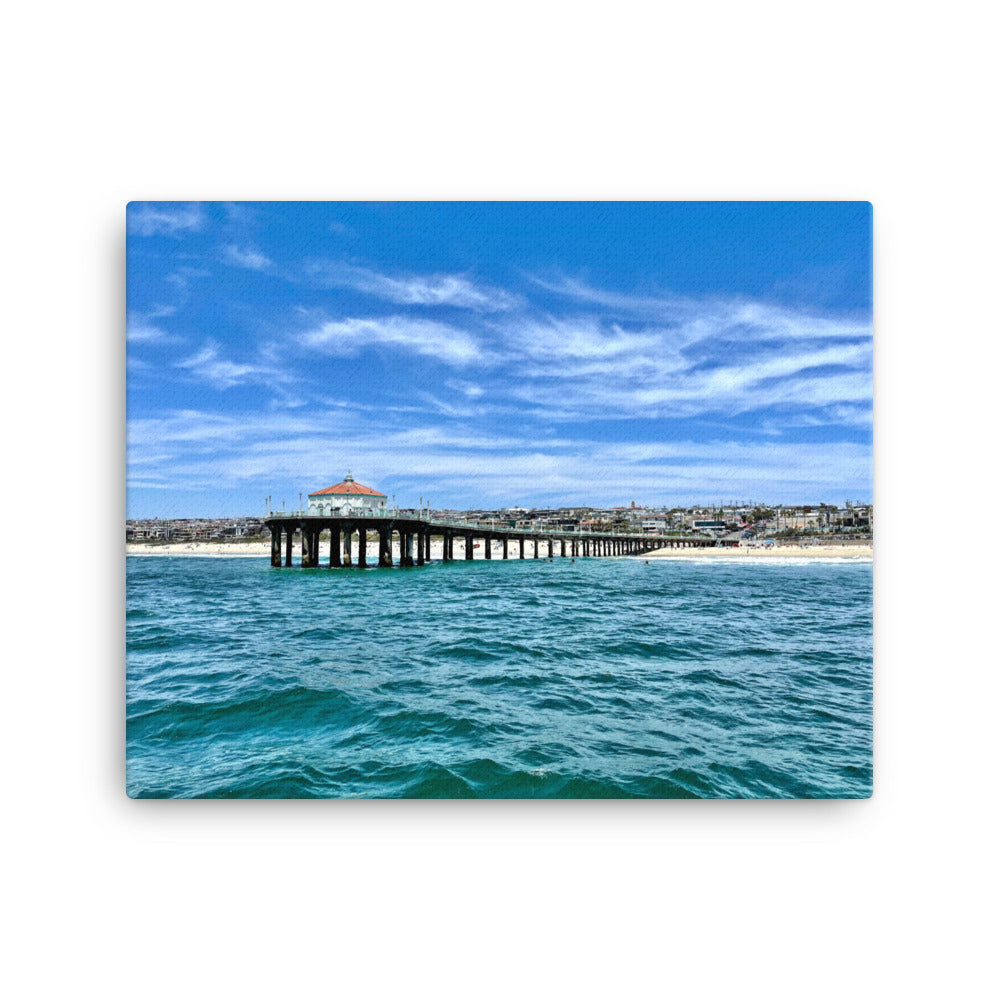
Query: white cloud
x,y
145,219
467,389
731,357
412,289
141,328
425,337
208,367
708,316
140,331
251,259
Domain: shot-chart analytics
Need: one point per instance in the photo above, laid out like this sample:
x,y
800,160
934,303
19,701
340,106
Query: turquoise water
x,y
593,678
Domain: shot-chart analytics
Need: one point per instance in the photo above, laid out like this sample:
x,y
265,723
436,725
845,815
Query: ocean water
x,y
593,678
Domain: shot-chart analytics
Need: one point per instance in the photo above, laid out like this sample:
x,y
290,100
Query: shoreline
x,y
859,552
257,550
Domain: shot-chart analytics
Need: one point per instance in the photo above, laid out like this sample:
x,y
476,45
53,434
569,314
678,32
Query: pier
x,y
349,542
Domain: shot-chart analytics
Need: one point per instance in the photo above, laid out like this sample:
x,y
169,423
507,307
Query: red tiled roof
x,y
347,486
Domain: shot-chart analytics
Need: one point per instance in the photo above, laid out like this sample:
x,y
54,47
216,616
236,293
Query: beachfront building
x,y
347,498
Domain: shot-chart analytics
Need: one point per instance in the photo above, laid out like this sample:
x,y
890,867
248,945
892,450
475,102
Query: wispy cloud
x,y
207,366
733,358
251,259
413,289
147,219
708,313
447,343
468,389
141,327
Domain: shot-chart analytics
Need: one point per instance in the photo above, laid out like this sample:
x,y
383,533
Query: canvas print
x,y
499,499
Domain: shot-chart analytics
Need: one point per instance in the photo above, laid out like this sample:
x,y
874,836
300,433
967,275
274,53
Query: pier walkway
x,y
414,538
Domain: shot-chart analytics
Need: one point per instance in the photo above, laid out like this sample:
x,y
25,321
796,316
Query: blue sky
x,y
498,354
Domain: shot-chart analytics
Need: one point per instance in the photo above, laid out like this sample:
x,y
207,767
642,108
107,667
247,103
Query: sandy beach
x,y
805,551
263,550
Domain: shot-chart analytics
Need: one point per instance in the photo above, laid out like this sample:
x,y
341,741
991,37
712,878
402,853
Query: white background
x,y
888,103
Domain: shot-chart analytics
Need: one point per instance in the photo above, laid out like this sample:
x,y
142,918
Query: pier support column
x,y
385,547
562,548
306,561
334,545
348,541
362,546
488,542
468,546
289,537
505,546
534,542
521,543
421,547
276,546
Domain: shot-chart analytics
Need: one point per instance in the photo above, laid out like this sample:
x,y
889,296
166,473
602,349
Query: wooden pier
x,y
349,541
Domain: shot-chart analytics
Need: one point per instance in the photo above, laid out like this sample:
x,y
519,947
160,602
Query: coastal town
x,y
748,522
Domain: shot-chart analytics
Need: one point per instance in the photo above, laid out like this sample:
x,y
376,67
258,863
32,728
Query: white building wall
x,y
344,504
